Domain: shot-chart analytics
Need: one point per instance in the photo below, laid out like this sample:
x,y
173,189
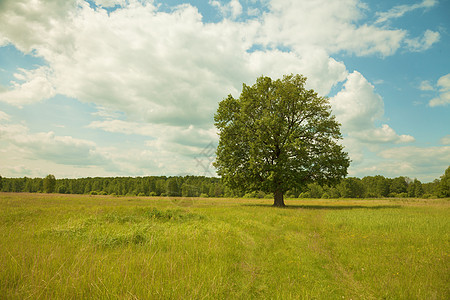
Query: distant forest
x,y
200,186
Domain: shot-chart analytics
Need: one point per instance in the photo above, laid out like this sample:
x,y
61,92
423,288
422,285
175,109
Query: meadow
x,y
56,246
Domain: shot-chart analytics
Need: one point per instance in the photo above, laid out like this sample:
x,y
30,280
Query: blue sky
x,y
129,88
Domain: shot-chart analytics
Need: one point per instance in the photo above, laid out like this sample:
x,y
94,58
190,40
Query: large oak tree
x,y
276,136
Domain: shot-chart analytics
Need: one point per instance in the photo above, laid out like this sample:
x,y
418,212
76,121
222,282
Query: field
x,y
92,247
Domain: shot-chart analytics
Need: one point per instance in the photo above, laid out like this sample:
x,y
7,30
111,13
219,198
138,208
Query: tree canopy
x,y
278,135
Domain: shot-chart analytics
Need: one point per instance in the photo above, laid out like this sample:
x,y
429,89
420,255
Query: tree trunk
x,y
278,199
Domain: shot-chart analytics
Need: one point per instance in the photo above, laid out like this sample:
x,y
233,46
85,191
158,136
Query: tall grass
x,y
54,246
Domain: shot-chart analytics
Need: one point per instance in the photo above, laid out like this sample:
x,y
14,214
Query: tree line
x,y
201,186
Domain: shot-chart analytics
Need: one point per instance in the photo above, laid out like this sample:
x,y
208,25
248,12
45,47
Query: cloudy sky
x,y
129,88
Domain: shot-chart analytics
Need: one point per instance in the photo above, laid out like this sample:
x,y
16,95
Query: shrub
x,y
250,195
304,195
260,194
429,196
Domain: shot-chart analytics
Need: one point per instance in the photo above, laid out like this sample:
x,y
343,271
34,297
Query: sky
x,y
130,87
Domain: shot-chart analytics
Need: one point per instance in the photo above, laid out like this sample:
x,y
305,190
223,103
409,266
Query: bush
x,y
304,195
290,195
152,194
250,195
429,196
141,195
203,195
260,194
93,193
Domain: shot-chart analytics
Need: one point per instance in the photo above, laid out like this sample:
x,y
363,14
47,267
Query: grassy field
x,y
75,247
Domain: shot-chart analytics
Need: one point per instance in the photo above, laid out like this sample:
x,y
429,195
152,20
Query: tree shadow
x,y
327,207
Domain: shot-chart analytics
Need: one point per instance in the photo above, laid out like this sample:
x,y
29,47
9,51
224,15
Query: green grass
x,y
75,247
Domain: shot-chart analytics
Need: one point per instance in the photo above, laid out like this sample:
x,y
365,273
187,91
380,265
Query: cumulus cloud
x,y
444,92
160,75
357,107
423,43
170,67
30,26
385,134
110,3
170,138
426,163
430,158
46,145
34,86
157,67
232,9
328,25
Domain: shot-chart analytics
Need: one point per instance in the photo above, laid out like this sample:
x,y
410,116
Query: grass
x,y
75,247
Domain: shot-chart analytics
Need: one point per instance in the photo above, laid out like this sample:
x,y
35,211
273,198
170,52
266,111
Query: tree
x,y
351,187
172,187
398,185
49,183
444,184
315,190
278,135
376,186
415,189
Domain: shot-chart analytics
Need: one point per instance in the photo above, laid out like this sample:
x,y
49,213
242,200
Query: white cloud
x,y
445,140
400,10
160,75
357,107
328,25
124,127
427,163
424,43
35,87
232,9
426,86
175,148
110,3
31,25
385,134
424,163
4,116
444,92
322,71
47,146
169,137
166,68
